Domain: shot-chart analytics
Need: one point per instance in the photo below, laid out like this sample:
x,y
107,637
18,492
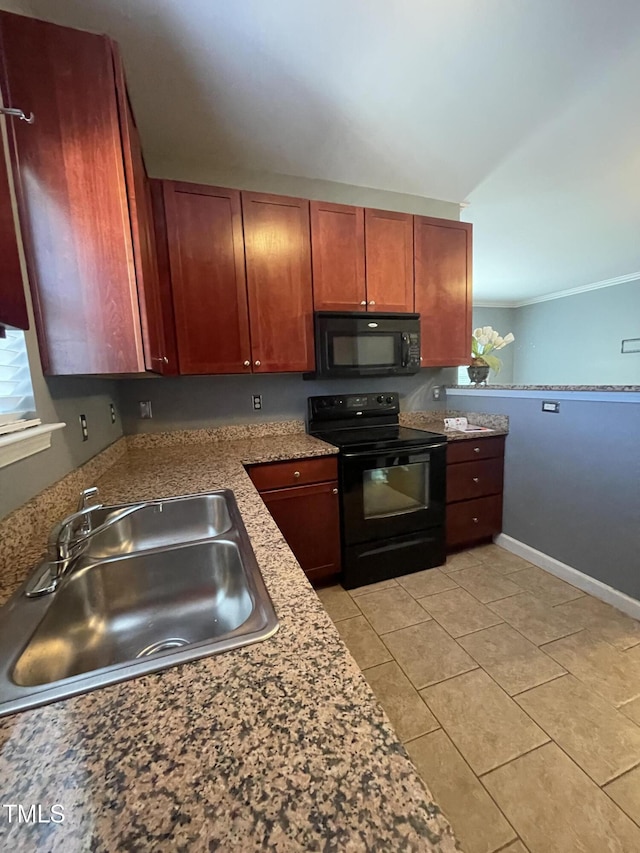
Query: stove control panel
x,y
341,406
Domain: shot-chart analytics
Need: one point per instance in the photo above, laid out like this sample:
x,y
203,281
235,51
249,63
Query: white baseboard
x,y
586,583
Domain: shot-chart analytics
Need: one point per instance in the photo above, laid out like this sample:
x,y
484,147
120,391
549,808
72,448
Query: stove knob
x,y
389,400
380,398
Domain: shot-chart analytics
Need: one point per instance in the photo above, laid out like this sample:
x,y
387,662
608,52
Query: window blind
x,y
16,390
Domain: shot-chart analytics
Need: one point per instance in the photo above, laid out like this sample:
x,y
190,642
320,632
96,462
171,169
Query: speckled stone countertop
x,y
276,746
434,422
614,388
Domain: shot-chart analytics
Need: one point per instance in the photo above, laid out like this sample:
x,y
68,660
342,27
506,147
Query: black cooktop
x,y
389,437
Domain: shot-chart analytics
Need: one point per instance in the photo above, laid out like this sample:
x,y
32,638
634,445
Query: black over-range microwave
x,y
360,344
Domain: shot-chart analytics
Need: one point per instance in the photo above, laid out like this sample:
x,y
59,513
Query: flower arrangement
x,y
485,341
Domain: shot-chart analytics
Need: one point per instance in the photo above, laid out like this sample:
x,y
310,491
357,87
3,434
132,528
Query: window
x,y
463,376
16,391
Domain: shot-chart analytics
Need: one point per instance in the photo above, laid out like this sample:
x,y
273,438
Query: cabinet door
x,y
278,256
72,197
389,260
13,303
204,228
143,236
443,290
164,276
337,251
309,519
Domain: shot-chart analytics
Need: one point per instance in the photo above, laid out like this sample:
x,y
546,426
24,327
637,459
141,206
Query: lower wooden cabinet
x,y
308,515
474,490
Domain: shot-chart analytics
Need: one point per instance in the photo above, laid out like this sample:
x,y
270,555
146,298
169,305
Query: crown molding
x,y
559,294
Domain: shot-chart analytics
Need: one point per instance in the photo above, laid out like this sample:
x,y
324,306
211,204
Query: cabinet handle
x,y
475,520
372,302
161,358
296,474
476,479
257,363
364,302
475,449
335,491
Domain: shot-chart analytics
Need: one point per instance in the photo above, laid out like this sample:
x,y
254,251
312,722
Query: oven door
x,y
391,493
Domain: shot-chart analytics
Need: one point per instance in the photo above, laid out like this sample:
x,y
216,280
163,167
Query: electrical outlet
x,y
436,392
145,409
257,401
548,406
84,427
112,412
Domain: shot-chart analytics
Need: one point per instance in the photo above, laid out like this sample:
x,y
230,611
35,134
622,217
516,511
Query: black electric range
x,y
392,486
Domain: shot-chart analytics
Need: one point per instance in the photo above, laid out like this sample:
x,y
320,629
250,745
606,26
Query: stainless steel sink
x,y
173,581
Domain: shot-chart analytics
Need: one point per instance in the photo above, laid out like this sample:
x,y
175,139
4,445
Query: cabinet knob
x,y
475,449
364,302
475,520
246,363
372,302
476,479
257,363
161,358
335,491
296,474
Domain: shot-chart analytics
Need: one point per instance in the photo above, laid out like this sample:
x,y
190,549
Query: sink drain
x,y
162,646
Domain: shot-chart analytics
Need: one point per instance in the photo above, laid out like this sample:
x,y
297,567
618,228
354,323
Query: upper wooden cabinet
x,y
13,303
389,259
443,290
278,263
337,242
79,183
206,253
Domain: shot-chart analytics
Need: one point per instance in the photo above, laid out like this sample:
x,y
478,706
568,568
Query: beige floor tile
x,y
601,740
459,612
409,715
605,621
554,806
510,659
427,582
485,584
474,817
612,674
625,791
461,560
539,622
545,586
632,710
337,603
372,587
427,653
503,561
391,609
485,724
365,646
516,847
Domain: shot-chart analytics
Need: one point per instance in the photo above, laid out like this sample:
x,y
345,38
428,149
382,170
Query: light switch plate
x,y
548,406
145,409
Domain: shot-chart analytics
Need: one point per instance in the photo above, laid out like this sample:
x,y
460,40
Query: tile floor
x,y
516,695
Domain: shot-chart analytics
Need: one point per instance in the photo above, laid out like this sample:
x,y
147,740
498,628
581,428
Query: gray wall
x,y
504,321
576,340
572,482
192,402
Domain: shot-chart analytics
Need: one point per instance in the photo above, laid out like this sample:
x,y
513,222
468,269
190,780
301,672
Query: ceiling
x,y
529,110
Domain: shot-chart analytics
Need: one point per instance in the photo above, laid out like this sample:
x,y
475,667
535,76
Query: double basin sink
x,y
157,583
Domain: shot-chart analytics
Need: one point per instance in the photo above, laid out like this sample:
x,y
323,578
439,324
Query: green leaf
x,y
494,362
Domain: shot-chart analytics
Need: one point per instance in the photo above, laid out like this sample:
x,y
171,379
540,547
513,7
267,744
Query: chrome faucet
x,y
68,540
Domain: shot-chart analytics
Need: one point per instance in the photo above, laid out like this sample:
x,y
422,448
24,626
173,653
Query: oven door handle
x,y
404,356
396,451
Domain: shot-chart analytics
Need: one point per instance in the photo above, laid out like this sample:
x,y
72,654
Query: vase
x,y
478,373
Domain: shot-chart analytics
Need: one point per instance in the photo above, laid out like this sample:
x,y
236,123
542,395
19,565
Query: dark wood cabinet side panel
x,y
309,519
337,252
443,290
204,228
13,303
389,260
278,259
72,197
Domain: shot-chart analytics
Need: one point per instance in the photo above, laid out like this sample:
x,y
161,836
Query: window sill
x,y
19,445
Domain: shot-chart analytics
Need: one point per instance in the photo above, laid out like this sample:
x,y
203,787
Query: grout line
x,y
517,758
620,775
535,686
424,734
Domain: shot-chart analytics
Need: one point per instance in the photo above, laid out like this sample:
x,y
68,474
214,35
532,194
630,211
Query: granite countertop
x,y
496,424
275,746
492,387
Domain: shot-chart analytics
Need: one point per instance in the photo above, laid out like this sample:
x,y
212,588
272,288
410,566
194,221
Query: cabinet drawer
x,y
468,480
469,521
476,448
280,475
